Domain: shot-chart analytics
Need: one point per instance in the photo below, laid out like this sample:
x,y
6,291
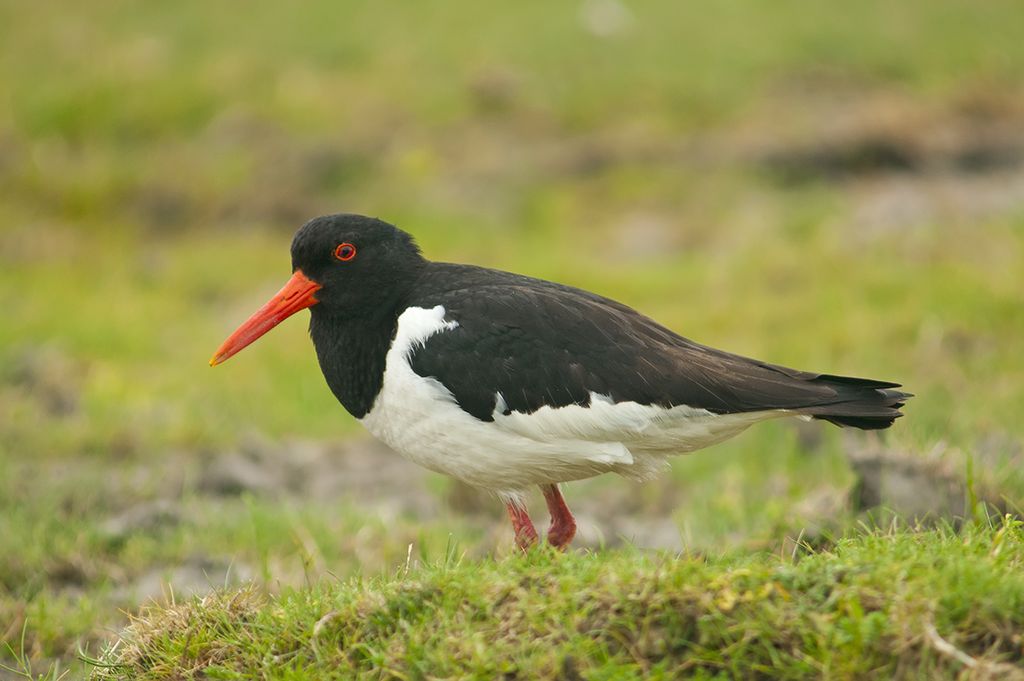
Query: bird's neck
x,y
352,354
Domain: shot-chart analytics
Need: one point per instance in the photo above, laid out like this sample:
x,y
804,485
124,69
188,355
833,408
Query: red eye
x,y
345,252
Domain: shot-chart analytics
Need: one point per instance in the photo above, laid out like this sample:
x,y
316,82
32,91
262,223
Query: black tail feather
x,y
860,403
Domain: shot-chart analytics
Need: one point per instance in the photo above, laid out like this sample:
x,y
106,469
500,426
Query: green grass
x,y
154,161
874,604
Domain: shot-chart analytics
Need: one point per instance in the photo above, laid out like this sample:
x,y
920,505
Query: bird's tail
x,y
859,402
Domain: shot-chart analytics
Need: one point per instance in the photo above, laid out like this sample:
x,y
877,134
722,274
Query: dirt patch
x,y
922,488
361,470
961,149
146,518
847,134
48,376
195,577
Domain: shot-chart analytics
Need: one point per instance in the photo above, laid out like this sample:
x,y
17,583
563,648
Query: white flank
x,y
419,418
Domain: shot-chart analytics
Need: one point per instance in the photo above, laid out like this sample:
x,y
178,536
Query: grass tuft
x,y
927,604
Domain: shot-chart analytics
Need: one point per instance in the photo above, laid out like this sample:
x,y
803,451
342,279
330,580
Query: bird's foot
x,y
526,533
563,524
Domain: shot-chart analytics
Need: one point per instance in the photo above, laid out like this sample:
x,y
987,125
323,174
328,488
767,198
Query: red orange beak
x,y
296,295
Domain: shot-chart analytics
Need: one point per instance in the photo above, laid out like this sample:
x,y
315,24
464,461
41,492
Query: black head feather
x,y
385,262
359,300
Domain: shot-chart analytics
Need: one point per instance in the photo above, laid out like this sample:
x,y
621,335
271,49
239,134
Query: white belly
x,y
419,418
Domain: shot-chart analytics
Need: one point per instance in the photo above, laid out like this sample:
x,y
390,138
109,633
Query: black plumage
x,y
538,344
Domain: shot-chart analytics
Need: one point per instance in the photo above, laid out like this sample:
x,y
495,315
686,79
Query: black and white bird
x,y
505,381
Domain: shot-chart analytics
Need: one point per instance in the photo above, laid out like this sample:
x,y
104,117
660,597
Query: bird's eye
x,y
345,252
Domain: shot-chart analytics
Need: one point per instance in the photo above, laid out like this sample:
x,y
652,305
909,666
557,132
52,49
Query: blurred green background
x,y
837,187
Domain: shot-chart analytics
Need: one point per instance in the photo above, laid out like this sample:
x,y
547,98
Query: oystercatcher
x,y
505,381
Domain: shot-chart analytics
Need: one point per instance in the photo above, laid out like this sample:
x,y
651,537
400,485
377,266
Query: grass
x,y
721,168
871,605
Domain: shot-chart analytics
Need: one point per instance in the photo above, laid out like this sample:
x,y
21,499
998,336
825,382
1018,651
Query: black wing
x,y
538,343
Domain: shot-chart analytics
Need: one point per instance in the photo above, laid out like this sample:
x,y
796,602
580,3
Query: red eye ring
x,y
345,251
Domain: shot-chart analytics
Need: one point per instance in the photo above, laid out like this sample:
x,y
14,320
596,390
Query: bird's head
x,y
342,265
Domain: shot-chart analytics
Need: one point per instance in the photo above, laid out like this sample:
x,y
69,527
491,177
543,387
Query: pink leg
x,y
526,535
563,525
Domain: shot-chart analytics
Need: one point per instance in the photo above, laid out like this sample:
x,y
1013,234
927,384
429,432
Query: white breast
x,y
419,418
